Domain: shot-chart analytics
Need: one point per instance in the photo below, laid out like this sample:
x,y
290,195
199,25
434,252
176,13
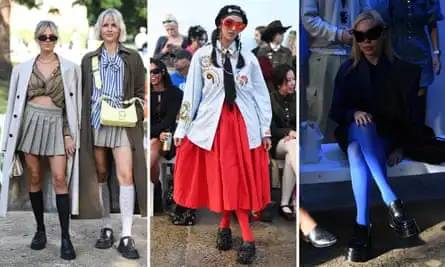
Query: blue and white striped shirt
x,y
112,76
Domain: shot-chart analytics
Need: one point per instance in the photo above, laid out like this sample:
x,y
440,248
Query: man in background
x,y
181,59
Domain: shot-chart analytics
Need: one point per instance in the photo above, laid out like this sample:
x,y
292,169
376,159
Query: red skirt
x,y
230,176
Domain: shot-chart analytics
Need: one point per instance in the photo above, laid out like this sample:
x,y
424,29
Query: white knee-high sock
x,y
126,203
104,197
288,183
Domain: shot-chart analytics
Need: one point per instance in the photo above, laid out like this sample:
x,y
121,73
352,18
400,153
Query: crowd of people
x,y
220,110
365,72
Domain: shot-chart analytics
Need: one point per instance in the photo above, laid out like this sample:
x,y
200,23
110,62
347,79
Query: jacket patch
x,y
184,113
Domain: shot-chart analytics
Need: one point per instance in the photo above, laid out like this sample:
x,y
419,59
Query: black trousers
x,y
421,104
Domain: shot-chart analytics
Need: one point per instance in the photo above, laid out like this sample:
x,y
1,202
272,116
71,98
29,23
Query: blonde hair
x,y
43,25
387,44
118,19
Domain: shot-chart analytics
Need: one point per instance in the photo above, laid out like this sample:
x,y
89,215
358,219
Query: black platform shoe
x,y
320,238
128,251
187,218
39,240
359,247
288,216
106,239
399,220
246,253
67,250
224,239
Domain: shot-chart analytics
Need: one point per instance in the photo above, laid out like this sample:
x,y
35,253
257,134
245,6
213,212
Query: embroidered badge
x,y
185,112
212,76
205,62
242,80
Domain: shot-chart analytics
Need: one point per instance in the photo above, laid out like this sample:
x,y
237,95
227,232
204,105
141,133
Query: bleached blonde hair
x,y
387,44
42,25
118,19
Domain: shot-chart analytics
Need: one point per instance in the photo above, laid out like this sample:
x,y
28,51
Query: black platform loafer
x,y
359,247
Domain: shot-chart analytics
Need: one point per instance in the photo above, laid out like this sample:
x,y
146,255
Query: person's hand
x,y
178,141
163,136
346,36
437,65
69,145
293,134
165,49
362,118
395,157
267,143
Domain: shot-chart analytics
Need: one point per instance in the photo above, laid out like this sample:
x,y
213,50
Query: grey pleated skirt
x,y
42,132
111,137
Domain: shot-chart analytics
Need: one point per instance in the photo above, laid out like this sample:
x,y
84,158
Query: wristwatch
x,y
436,52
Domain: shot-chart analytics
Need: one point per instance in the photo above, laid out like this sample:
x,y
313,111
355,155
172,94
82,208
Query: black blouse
x,y
164,108
284,115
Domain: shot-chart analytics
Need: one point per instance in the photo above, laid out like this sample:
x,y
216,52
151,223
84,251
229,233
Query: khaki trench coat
x,y
134,83
11,130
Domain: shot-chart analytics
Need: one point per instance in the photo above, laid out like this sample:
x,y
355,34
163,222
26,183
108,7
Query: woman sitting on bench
x,y
374,99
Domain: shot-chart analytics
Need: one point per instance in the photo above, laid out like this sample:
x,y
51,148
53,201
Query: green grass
x,y
4,87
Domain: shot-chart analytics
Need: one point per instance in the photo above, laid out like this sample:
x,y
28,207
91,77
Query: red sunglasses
x,y
230,23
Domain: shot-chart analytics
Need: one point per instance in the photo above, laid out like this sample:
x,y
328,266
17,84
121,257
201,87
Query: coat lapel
x,y
27,70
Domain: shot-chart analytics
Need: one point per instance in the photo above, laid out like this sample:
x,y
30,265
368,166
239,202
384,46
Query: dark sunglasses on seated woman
x,y
371,35
230,23
156,71
50,37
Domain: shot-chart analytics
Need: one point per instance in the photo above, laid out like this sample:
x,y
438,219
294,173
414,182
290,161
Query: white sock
x,y
126,203
104,197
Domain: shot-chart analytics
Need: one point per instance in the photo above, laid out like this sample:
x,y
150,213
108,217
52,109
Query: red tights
x,y
243,220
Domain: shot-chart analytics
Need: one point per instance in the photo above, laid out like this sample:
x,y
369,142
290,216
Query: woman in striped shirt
x,y
113,73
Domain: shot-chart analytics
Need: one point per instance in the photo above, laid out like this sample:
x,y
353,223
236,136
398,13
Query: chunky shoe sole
x,y
405,231
130,257
68,257
104,245
354,255
38,246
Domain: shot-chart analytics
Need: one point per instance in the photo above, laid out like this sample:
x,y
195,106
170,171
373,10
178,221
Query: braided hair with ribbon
x,y
229,82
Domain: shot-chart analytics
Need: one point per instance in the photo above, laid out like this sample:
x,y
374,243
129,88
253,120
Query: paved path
x,y
177,246
17,229
425,199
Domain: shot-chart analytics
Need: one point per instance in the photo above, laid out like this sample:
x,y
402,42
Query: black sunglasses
x,y
371,35
169,21
156,71
50,37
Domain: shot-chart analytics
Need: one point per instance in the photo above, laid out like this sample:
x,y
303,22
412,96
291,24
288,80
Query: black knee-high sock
x,y
63,208
37,207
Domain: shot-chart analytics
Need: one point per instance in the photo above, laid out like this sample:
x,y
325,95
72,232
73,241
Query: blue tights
x,y
367,158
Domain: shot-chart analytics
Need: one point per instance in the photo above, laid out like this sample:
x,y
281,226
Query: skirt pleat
x,y
111,137
42,132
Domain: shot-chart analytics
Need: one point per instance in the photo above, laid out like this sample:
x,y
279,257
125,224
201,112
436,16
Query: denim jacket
x,y
321,19
204,98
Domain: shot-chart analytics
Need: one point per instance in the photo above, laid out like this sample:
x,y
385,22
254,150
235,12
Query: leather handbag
x,y
17,167
120,117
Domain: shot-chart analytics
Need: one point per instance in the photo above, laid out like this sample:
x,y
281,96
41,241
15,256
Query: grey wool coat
x,y
14,119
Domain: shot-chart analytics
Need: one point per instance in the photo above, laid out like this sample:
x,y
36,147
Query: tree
x,y
5,14
133,11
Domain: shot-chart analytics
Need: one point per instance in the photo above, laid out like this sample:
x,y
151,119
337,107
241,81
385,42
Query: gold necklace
x,y
47,62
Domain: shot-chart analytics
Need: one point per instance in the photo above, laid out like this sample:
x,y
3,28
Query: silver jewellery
x,y
436,52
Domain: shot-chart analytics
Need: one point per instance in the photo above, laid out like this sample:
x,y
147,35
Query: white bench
x,y
163,168
333,167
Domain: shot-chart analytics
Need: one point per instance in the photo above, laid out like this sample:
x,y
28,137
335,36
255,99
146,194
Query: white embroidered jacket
x,y
252,98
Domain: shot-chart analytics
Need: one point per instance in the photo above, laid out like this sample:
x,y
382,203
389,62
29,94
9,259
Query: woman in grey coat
x,y
42,123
